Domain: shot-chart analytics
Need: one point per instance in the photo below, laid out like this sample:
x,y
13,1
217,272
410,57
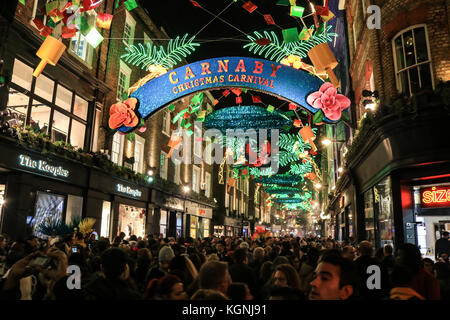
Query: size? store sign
x,y
435,197
43,166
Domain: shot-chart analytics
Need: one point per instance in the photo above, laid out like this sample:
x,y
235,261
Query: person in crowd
x,y
239,291
442,245
169,287
388,261
307,268
208,294
285,275
349,253
220,250
285,293
401,284
214,275
144,259
363,262
422,282
335,278
241,272
115,283
294,260
165,256
3,254
428,265
441,272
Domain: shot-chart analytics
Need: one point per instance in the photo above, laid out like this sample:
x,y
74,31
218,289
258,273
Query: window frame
x,y
126,71
163,173
207,184
121,146
138,166
166,128
33,97
129,20
196,183
397,72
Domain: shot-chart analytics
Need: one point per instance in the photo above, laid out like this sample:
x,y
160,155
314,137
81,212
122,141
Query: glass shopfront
x,y
193,227
379,218
131,221
219,231
49,209
163,223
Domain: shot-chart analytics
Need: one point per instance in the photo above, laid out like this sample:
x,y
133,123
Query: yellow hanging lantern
x,y
324,61
49,52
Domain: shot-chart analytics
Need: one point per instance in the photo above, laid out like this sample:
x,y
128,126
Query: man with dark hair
x,y
115,284
443,245
335,278
241,272
214,275
348,252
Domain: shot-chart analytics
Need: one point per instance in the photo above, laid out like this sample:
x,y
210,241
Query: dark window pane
x,y
399,53
404,86
414,79
425,76
409,48
40,116
421,45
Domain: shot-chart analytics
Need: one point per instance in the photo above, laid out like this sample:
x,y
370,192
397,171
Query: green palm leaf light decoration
x,y
148,54
276,50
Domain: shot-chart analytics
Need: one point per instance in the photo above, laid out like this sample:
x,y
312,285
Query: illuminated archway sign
x,y
225,72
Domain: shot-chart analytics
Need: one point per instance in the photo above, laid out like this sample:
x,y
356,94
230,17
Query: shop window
x,y
40,117
163,223
80,47
77,134
206,227
208,184
412,60
369,216
124,80
164,164
385,214
22,74
129,28
64,98
131,221
117,148
74,208
44,106
49,208
179,224
18,106
106,219
139,154
80,107
208,151
60,127
166,122
44,88
196,179
193,227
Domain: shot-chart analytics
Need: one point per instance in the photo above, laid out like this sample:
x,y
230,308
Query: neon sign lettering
x,y
435,197
43,166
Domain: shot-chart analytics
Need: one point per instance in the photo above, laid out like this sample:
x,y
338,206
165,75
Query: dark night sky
x,y
180,16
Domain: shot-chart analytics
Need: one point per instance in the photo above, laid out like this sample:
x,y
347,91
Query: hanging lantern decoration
x,y
49,52
324,61
308,136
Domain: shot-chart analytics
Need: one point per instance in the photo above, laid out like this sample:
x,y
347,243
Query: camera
x,y
74,249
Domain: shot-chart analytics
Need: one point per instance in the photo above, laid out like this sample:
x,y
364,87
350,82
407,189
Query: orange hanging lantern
x,y
324,61
49,52
308,136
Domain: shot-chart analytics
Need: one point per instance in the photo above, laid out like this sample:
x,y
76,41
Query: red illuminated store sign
x,y
435,197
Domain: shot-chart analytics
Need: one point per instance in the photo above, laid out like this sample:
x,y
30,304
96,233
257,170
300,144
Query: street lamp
x,y
328,141
318,185
186,189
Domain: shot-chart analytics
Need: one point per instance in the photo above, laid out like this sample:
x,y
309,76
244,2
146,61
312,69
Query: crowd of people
x,y
217,268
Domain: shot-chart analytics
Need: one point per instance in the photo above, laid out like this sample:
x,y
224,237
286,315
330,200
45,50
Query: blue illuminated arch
x,y
225,72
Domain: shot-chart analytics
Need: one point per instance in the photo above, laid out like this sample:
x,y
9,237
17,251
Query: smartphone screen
x,y
74,249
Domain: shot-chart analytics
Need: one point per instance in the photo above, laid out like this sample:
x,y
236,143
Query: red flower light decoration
x,y
123,114
329,101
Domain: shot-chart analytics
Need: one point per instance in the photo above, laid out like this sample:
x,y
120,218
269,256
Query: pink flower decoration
x,y
329,101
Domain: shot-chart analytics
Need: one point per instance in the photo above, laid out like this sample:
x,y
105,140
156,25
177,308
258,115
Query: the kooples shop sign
x,y
136,193
43,166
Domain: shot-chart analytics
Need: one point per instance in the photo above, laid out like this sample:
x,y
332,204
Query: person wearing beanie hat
x,y
165,255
